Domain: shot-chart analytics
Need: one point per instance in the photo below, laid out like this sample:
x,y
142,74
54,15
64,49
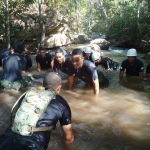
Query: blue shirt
x,y
13,66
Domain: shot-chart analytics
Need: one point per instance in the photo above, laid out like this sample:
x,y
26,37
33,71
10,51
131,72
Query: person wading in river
x,y
44,60
14,67
86,71
106,62
35,115
87,53
61,61
132,65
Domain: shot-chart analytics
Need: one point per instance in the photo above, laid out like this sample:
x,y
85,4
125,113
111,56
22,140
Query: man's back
x,y
12,67
57,110
33,133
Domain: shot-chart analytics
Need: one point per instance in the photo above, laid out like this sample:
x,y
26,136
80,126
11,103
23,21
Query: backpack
x,y
31,108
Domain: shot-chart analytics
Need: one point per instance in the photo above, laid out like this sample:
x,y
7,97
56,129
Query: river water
x,y
118,119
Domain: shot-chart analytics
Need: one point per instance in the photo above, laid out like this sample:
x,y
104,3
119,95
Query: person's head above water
x,y
52,81
131,54
59,55
88,50
77,58
96,57
17,47
42,51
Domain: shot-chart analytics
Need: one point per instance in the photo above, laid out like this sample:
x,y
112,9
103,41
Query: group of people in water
x,y
36,113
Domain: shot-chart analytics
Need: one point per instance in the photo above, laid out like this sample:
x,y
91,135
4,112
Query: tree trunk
x,y
138,9
90,6
41,23
104,11
77,14
148,2
7,25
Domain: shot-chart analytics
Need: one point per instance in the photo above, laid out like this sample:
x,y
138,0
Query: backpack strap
x,y
14,106
38,129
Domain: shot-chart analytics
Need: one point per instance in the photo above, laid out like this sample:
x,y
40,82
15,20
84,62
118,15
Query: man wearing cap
x,y
14,67
132,65
105,62
36,115
87,53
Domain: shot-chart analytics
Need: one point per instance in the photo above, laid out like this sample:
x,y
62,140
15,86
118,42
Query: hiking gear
x,y
88,50
95,56
132,52
32,107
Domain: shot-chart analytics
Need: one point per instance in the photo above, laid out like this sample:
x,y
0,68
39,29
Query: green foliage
x,y
117,19
122,23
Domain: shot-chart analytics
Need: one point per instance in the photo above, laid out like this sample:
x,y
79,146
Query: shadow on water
x,y
118,119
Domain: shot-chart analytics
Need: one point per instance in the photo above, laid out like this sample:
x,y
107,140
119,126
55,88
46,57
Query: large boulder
x,y
102,43
95,47
80,39
96,36
56,40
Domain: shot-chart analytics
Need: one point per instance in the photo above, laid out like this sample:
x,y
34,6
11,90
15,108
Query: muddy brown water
x,y
118,119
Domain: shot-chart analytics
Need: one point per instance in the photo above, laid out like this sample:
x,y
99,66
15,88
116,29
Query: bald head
x,y
51,80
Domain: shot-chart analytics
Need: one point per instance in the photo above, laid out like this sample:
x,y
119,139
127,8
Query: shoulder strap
x,y
13,108
39,129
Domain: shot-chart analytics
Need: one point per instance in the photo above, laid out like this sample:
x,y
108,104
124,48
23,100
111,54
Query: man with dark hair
x,y
44,60
86,71
61,61
10,51
36,114
13,67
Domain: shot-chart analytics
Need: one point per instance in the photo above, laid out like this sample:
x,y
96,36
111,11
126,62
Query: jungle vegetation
x,y
125,21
